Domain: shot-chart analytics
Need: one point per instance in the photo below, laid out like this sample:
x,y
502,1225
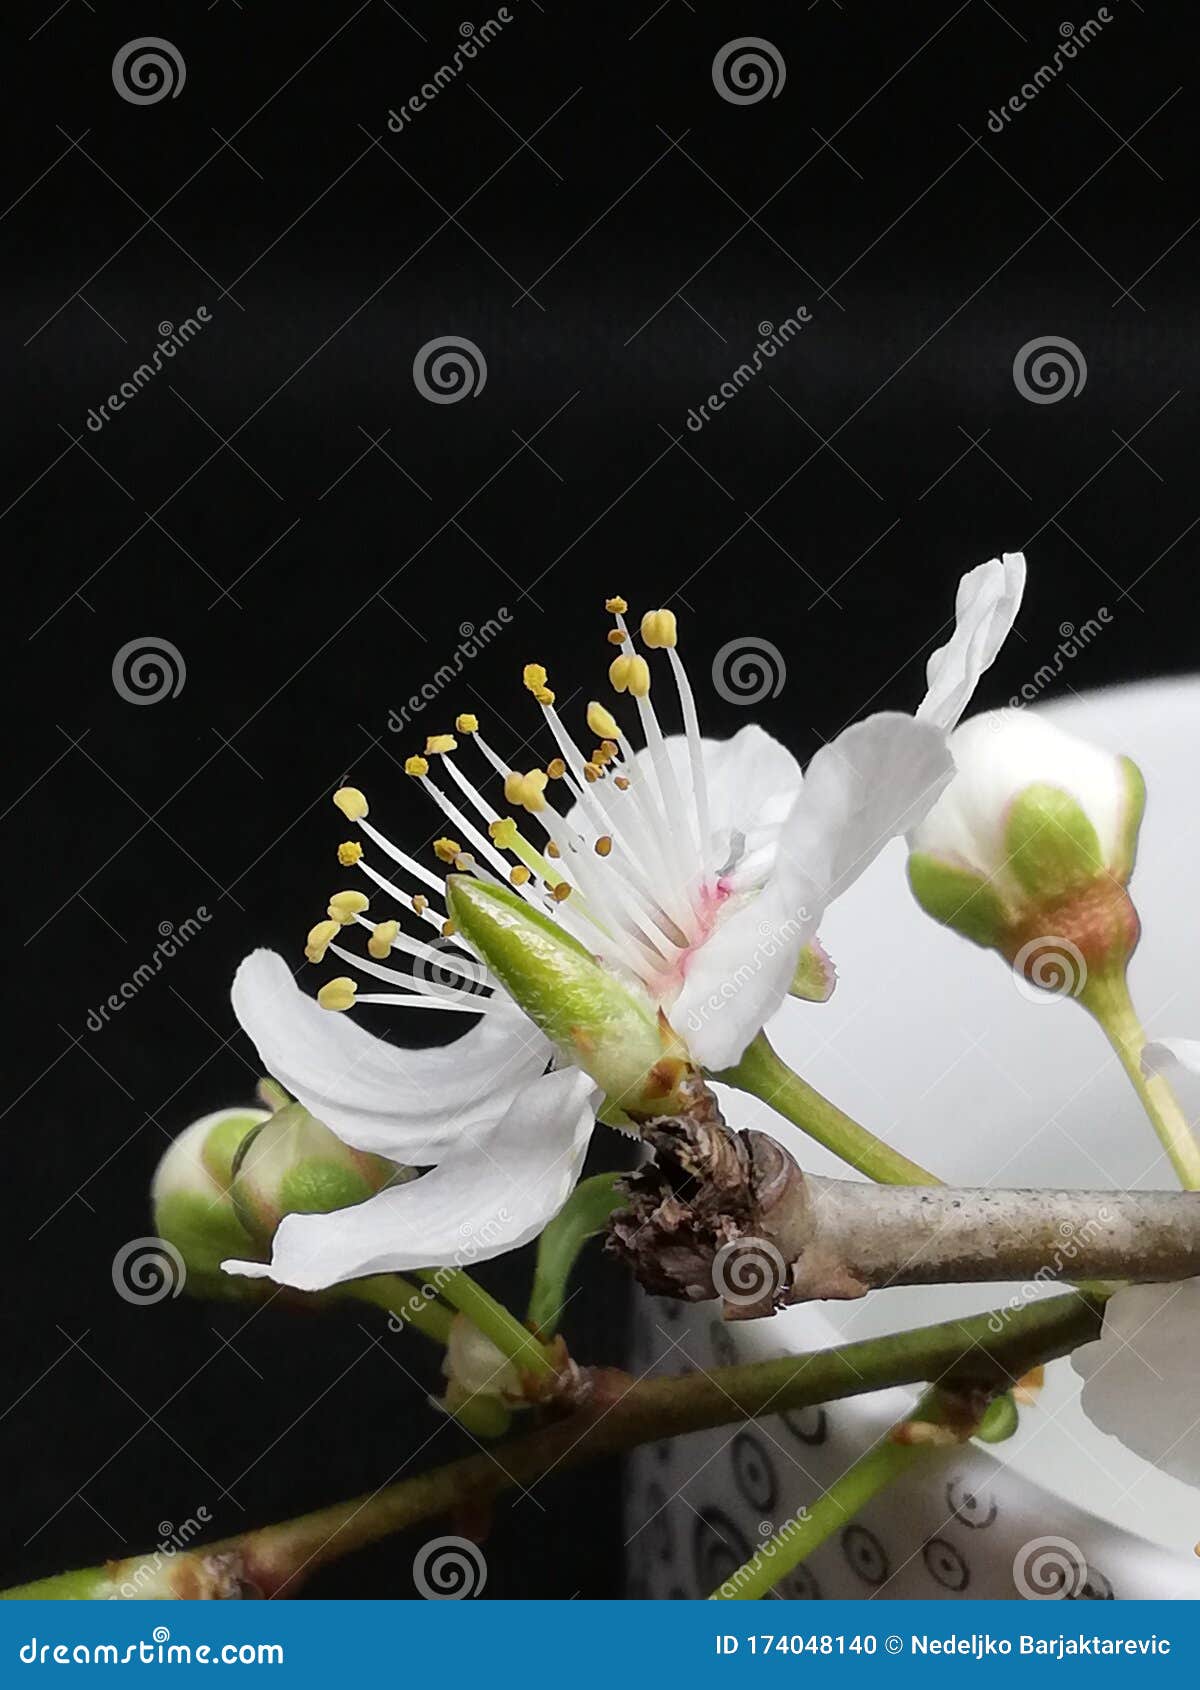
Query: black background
x,y
311,533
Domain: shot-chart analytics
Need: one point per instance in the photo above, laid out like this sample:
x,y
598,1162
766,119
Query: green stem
x,y
766,1076
809,1529
1107,998
404,1301
513,1340
984,1352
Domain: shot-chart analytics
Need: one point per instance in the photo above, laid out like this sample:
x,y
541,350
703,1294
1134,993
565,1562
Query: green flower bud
x,y
609,1029
292,1164
193,1211
1030,848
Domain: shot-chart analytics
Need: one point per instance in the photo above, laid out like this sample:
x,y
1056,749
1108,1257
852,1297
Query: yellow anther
x,y
604,752
658,628
319,939
380,943
464,862
544,695
602,722
504,832
351,802
420,903
349,853
518,874
552,849
337,994
416,766
630,674
448,930
561,892
603,845
527,790
438,744
534,676
592,772
615,637
621,782
344,906
616,607
445,850
467,724
556,768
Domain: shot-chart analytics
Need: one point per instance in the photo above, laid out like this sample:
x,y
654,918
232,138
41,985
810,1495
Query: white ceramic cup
x,y
935,1045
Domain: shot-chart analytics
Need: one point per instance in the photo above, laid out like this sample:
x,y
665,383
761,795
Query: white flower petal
x,y
498,1190
1142,1376
409,1105
997,754
985,608
875,780
1161,1056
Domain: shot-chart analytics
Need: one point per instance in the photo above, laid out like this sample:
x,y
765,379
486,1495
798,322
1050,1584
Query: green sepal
x,y
292,1164
597,1022
1000,1420
581,1217
815,975
1050,844
957,898
206,1232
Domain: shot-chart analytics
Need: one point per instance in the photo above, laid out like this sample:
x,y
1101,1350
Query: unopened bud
x,y
293,1164
193,1210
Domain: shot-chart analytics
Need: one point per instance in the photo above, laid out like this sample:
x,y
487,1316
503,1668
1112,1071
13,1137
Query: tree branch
x,y
732,1216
